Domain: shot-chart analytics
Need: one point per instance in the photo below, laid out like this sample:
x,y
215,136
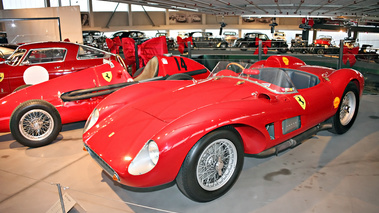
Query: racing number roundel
x,y
300,100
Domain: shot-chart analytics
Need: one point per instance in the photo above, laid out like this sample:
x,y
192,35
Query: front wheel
x,y
212,166
347,110
35,123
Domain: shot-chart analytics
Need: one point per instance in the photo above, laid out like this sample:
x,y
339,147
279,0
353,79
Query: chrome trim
x,y
108,169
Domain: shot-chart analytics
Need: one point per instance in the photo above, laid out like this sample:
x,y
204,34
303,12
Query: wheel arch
x,y
252,139
28,102
342,77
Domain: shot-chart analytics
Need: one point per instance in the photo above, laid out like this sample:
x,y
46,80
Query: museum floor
x,y
328,173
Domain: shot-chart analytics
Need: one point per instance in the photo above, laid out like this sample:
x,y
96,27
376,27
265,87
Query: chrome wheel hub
x,y
216,164
347,108
36,125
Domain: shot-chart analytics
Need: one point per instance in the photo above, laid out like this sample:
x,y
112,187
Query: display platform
x,y
327,173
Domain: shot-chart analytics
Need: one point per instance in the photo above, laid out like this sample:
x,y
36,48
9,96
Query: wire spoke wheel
x,y
216,164
347,108
212,165
36,125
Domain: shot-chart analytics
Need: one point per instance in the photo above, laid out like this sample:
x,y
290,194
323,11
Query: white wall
x,y
43,30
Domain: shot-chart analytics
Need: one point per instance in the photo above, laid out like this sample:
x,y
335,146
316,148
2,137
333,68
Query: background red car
x,y
37,62
34,115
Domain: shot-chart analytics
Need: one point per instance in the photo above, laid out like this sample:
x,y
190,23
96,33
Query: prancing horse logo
x,y
300,100
1,76
107,76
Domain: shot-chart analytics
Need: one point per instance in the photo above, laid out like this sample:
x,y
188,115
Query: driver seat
x,y
150,70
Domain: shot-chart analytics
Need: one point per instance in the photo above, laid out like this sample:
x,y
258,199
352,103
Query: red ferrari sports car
x,y
37,62
35,114
196,132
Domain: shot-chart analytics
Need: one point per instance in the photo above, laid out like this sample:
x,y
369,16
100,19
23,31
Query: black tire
x,y
347,110
21,87
282,50
180,76
321,51
243,47
44,123
201,156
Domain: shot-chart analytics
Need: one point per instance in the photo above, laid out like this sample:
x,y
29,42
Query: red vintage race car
x,y
197,132
35,114
37,62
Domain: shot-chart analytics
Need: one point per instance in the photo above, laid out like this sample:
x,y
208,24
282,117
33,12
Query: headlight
x,y
91,120
146,159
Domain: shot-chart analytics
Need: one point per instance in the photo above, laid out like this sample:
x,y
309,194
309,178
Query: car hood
x,y
174,103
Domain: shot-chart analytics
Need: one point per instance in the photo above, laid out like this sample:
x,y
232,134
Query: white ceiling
x,y
310,8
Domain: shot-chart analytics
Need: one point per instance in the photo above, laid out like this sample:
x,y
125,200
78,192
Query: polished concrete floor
x,y
328,173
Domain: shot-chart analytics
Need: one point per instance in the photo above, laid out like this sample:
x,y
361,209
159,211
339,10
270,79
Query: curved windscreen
x,y
274,79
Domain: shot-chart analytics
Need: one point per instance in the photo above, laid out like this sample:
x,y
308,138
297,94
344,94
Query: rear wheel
x,y
35,123
321,51
212,166
347,110
21,87
244,47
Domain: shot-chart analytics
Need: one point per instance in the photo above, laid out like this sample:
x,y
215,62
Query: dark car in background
x,y
298,44
250,40
206,40
138,36
94,38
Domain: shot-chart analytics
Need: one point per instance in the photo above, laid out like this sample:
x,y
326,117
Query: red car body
x,y
36,62
323,41
154,133
103,79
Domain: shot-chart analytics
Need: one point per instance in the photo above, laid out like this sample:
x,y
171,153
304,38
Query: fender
x,y
187,130
338,85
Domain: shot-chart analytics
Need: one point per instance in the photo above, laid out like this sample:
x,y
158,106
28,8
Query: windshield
x,y
273,79
15,58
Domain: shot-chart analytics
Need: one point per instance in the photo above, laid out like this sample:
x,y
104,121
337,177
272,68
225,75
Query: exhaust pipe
x,y
299,139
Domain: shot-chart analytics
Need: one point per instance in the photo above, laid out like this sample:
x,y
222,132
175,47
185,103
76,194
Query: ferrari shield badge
x,y
1,76
286,61
107,76
300,100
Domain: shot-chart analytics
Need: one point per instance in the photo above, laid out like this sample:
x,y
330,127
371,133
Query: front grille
x,y
101,162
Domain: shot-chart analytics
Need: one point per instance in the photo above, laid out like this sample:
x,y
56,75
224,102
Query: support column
x,y
47,4
91,14
130,16
314,35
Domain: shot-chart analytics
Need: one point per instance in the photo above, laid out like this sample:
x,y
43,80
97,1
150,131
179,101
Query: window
x,y
82,3
38,56
263,37
106,6
86,52
139,8
19,4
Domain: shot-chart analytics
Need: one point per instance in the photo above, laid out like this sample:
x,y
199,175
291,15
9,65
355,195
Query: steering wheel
x,y
234,63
